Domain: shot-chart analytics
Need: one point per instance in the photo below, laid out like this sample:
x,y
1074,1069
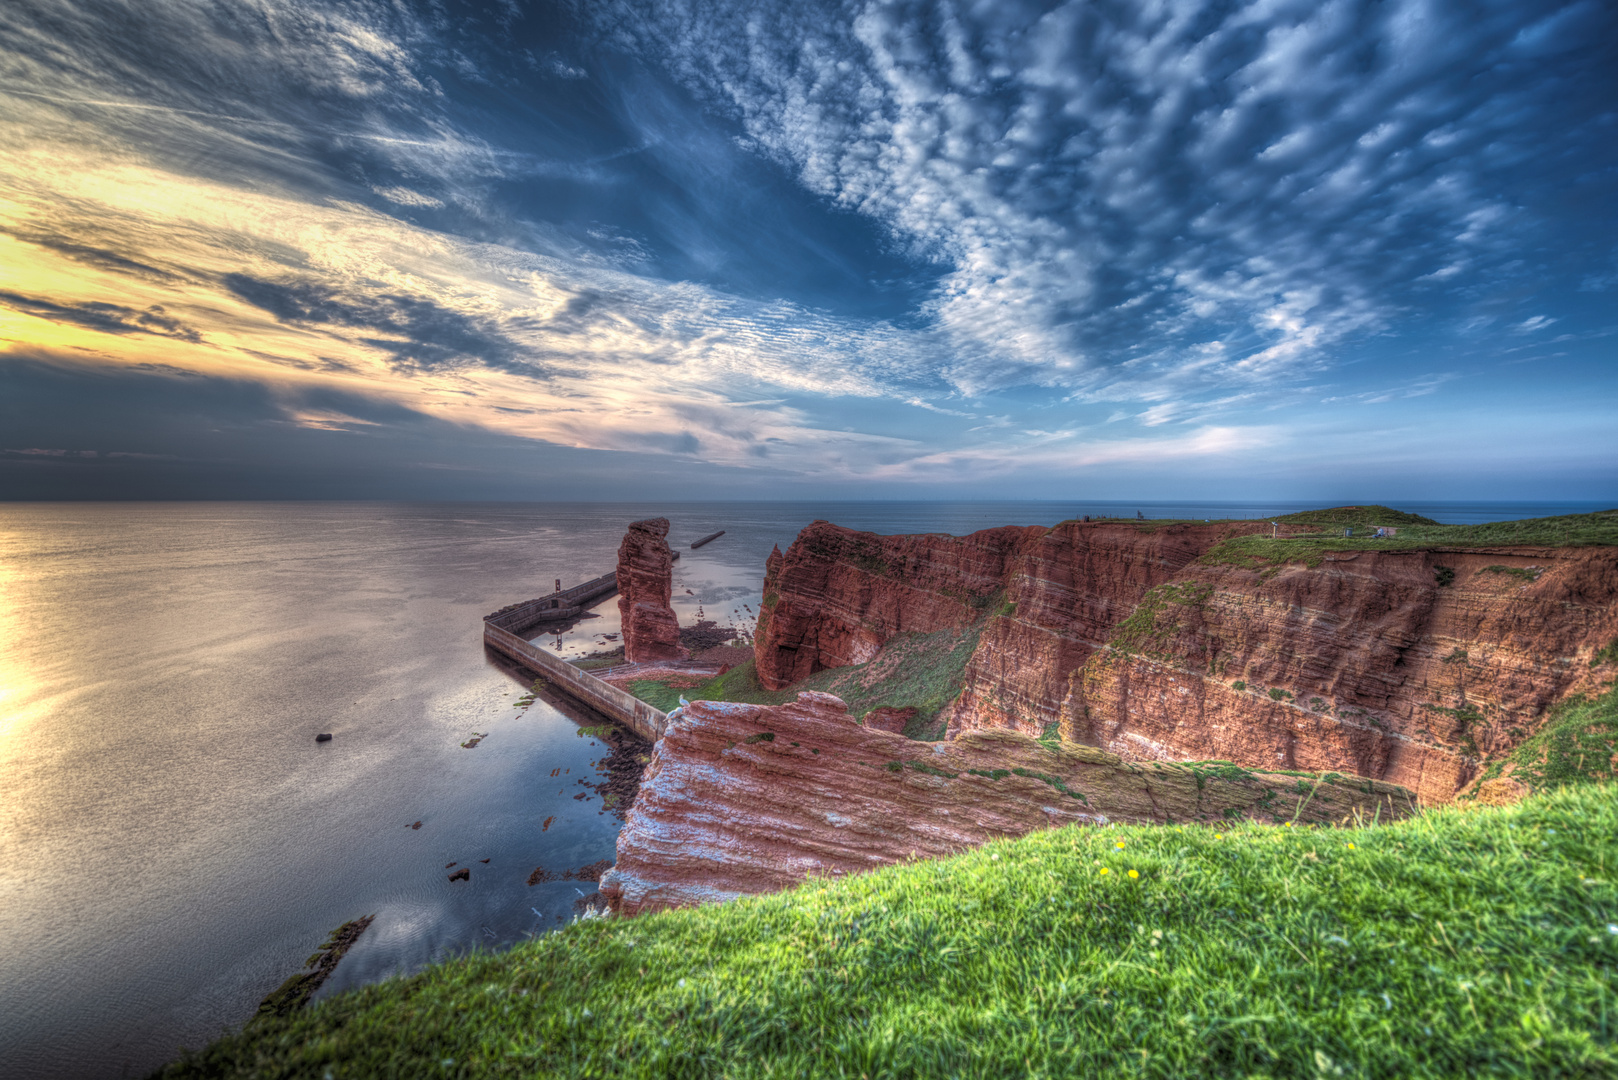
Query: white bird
x,y
684,704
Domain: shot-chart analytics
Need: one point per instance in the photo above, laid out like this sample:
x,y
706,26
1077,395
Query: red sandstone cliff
x,y
645,583
1120,636
838,595
751,798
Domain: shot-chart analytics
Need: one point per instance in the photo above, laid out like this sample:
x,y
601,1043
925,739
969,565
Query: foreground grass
x,y
1466,942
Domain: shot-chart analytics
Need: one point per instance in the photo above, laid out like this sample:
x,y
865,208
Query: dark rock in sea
x,y
463,874
417,825
483,860
323,737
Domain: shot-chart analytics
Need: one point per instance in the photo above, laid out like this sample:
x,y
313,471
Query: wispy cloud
x,y
1113,186
1174,218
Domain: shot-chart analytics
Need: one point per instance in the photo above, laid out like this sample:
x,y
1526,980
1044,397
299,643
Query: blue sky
x,y
1335,250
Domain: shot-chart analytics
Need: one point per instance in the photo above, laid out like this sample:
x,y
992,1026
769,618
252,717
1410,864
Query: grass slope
x,y
1359,516
1465,942
1577,744
923,671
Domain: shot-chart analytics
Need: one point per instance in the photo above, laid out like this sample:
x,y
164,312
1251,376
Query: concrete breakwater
x,y
562,604
499,634
612,702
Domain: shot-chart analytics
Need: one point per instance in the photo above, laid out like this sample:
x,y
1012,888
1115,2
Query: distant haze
x,y
1094,249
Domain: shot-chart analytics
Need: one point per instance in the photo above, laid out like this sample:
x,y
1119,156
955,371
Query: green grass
x,y
1575,530
1464,943
923,671
1577,744
1357,516
1152,626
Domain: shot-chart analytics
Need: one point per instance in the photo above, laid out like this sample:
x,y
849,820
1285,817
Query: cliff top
x,y
1364,516
1599,529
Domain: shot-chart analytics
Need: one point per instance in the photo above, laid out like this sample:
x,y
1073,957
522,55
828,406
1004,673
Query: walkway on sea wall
x,y
605,698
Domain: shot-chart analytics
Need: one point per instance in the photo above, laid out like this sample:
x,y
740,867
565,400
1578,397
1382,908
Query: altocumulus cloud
x,y
1148,199
1178,218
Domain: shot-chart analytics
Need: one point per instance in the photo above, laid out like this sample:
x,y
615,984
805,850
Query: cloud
x,y
1171,217
104,317
419,333
1113,185
405,197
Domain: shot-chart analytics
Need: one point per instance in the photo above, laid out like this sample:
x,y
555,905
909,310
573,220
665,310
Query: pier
x,y
500,633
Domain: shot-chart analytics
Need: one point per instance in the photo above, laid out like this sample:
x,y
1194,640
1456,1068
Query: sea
x,y
174,843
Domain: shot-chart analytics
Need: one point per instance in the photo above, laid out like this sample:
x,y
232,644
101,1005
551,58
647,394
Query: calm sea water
x,y
174,844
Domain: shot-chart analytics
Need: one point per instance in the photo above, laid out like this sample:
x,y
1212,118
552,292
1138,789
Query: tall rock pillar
x,y
645,583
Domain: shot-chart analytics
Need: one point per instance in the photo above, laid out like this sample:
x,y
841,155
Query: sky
x,y
1296,249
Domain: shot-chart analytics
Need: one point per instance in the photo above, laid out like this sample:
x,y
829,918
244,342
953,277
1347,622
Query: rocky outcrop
x,y
1364,663
1408,666
645,583
745,799
838,595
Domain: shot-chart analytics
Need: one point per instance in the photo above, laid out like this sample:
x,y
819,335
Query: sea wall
x,y
564,604
639,717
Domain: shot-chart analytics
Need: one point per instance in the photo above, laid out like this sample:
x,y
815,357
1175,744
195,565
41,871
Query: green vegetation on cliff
x,y
1259,550
1577,744
920,671
1464,942
1355,517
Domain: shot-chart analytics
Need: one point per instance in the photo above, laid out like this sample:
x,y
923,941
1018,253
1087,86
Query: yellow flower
x,y
1119,845
1219,836
1351,847
1134,873
1104,870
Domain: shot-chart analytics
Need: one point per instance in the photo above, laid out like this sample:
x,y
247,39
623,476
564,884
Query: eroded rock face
x,y
838,595
645,583
1363,663
745,799
1117,635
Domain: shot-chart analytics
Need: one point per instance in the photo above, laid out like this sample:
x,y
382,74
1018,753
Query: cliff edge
x,y
742,799
1412,660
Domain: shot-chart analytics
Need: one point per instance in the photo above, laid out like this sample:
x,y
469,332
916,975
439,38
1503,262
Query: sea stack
x,y
645,583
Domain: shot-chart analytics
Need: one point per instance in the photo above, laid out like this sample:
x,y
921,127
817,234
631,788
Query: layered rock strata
x,y
645,584
743,799
1407,666
838,595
